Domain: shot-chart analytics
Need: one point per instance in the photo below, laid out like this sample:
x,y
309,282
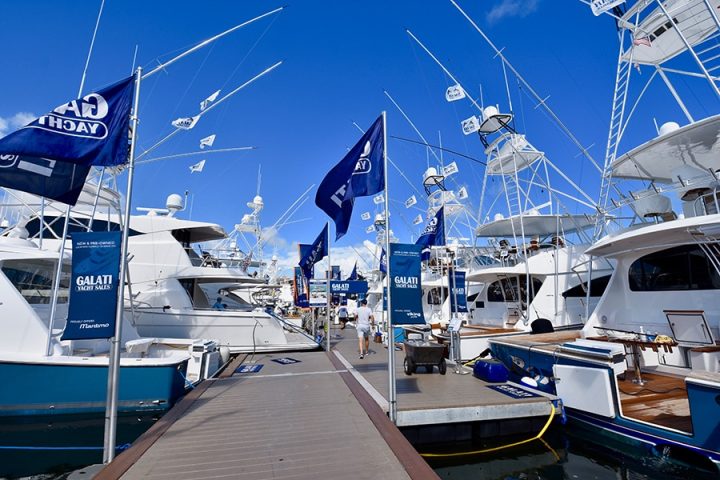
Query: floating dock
x,y
303,414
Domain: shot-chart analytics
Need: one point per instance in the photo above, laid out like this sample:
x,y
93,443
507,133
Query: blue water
x,y
564,453
57,444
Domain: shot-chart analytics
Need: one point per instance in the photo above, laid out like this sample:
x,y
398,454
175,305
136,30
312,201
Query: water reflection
x,y
59,443
563,453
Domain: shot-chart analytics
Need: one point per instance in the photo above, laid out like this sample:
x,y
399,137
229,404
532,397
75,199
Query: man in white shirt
x,y
365,320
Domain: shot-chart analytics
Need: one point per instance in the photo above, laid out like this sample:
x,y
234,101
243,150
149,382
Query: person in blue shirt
x,y
218,304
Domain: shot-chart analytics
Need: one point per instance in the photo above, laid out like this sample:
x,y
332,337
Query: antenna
x,y
259,179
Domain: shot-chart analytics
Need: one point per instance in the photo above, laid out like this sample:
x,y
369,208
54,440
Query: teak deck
x,y
662,400
323,416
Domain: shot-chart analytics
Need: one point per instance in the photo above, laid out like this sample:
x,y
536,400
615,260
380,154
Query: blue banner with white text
x,y
405,289
48,178
92,130
94,284
348,287
458,292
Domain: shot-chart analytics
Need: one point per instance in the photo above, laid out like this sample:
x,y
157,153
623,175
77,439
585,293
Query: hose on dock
x,y
502,447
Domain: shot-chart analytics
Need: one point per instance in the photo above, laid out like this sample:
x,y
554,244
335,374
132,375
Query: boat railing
x,y
290,326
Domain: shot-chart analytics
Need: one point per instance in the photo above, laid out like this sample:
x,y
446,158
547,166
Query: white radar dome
x,y
668,127
490,111
174,202
498,216
430,172
258,200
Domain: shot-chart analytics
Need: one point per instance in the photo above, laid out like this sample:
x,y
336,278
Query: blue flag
x,y
353,274
383,261
405,285
359,174
318,251
92,130
434,233
48,178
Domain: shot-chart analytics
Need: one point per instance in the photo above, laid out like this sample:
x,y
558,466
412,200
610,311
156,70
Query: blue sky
x,y
338,58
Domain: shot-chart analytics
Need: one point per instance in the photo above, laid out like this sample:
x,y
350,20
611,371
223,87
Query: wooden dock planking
x,y
291,421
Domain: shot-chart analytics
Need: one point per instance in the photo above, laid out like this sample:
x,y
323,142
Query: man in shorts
x,y
365,320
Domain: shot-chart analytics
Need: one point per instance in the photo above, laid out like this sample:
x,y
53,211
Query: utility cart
x,y
425,354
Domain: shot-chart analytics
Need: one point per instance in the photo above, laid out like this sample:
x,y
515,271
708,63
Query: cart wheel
x,y
409,366
442,367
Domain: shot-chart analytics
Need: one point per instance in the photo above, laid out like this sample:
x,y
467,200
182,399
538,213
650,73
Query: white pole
x,y
114,366
392,394
329,297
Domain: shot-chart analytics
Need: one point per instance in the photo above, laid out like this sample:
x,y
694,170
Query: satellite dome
x,y
274,258
668,127
174,202
430,172
490,111
498,216
258,200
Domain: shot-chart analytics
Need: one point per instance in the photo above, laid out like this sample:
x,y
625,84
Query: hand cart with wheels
x,y
425,354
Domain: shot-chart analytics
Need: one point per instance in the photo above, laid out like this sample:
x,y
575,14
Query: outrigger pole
x,y
114,366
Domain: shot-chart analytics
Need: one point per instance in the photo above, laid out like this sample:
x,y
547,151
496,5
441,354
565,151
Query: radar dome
x,y
668,127
258,200
498,216
174,202
489,111
430,172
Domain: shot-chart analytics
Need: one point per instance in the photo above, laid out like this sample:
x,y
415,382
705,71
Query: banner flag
x,y
300,288
198,167
457,289
462,193
348,287
92,130
186,123
450,169
470,125
205,103
601,6
410,202
353,274
207,141
434,233
454,93
94,284
304,249
318,250
359,174
59,181
418,220
335,275
405,284
365,216
383,261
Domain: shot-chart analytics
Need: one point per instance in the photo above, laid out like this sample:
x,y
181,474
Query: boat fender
x,y
224,354
492,371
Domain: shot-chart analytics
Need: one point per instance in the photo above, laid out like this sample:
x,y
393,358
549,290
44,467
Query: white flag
x,y
370,229
207,141
453,93
418,220
204,104
602,6
365,216
462,193
378,199
410,202
449,169
185,123
470,125
198,167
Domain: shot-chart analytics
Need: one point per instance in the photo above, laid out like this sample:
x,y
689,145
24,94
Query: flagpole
x,y
114,360
392,394
327,286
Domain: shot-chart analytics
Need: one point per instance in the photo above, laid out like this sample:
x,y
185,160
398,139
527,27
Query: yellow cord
x,y
495,449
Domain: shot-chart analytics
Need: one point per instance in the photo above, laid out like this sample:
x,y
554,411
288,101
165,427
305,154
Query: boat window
x,y
204,293
55,226
597,288
34,279
436,296
679,268
506,289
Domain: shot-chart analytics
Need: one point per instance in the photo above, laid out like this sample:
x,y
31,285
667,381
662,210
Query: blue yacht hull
x,y
704,401
31,388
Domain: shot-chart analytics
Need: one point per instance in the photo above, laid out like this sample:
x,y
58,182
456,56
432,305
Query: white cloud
x,y
511,8
345,257
10,124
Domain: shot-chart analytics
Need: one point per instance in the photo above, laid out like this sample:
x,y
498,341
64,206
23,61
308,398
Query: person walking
x,y
365,320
